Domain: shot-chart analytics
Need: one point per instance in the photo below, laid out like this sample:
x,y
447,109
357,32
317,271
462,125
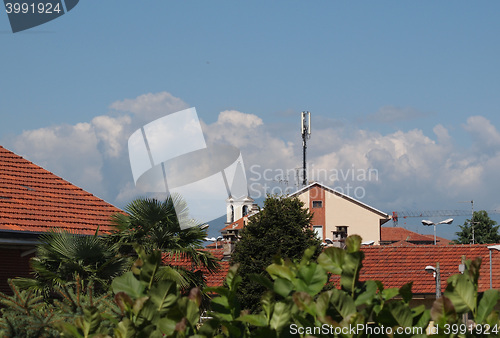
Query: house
x,y
395,266
34,201
402,236
335,216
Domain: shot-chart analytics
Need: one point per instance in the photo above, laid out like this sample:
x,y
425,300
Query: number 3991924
x,y
40,8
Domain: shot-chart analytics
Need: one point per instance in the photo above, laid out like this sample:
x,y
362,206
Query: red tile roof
x,y
395,266
213,279
34,199
396,234
236,225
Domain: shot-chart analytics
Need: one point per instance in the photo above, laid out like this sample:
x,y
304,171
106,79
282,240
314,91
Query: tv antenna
x,y
305,124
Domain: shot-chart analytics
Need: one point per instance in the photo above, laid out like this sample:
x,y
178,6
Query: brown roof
x,y
213,279
33,199
396,234
395,266
236,225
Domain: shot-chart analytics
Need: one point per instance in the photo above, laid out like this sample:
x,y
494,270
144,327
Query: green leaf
x,y
282,287
350,271
401,312
139,304
421,316
232,278
304,302
462,294
255,320
281,316
322,303
332,260
405,292
262,280
343,303
311,278
353,243
486,305
280,271
366,296
443,311
163,295
389,293
192,313
129,284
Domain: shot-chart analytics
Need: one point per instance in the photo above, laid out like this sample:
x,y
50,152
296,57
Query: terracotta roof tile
x,y
34,199
236,225
396,234
212,279
395,266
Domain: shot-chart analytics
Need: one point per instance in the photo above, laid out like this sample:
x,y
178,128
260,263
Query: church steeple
x,y
239,204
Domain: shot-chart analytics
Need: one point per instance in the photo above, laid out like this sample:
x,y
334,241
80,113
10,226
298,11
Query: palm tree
x,y
154,225
61,256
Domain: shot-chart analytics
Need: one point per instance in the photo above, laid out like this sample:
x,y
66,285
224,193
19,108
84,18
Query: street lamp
x,y
429,223
492,247
437,276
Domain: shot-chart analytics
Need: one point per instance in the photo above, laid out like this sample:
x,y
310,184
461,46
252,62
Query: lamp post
x,y
429,223
437,276
492,247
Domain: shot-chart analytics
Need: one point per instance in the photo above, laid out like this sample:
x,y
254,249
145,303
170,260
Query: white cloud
x,y
112,132
68,151
412,169
485,134
151,106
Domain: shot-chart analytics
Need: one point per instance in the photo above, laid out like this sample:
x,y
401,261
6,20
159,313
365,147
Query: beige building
x,y
336,215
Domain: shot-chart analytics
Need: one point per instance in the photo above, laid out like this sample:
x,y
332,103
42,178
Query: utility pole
x,y
305,125
438,281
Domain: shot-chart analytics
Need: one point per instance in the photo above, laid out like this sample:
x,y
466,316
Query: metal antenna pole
x,y
438,281
472,221
306,133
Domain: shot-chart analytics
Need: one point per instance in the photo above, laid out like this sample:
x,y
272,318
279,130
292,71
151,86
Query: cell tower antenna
x,y
305,127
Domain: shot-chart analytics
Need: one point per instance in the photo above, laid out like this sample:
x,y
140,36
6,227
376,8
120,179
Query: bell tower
x,y
239,204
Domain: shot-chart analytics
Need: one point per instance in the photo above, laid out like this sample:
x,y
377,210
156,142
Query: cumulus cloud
x,y
409,168
68,151
150,106
484,133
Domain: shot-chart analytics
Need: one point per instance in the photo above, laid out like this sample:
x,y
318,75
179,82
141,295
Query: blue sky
x,y
408,88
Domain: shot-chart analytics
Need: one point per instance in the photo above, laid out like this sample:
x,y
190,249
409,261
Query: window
x,y
317,204
318,229
245,210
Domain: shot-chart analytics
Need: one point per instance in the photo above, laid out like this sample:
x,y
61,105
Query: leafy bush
x,y
295,303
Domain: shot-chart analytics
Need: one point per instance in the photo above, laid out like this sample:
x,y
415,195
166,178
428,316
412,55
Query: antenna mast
x,y
306,134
